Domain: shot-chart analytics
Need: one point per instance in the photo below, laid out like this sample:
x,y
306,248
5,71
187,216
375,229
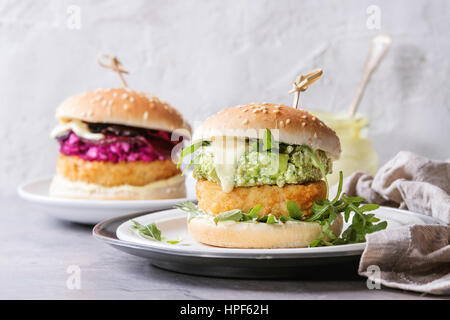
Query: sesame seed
x,y
303,124
115,94
315,135
245,121
304,116
125,107
313,118
89,113
256,110
281,124
104,102
83,113
276,111
288,121
145,115
131,99
97,98
125,95
321,124
265,111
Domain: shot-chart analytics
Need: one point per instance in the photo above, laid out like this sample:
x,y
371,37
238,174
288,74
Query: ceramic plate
x,y
192,257
91,211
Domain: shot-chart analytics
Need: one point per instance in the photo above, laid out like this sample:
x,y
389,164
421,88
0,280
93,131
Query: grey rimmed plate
x,y
191,257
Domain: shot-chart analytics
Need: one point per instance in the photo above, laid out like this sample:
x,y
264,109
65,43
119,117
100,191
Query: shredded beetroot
x,y
118,148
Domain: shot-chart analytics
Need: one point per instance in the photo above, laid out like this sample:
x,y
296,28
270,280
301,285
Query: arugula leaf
x,y
325,213
287,218
263,219
294,210
190,208
317,163
341,182
320,210
253,213
232,215
149,231
173,241
271,219
191,149
267,140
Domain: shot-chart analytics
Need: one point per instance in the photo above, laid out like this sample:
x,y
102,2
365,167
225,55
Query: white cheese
x,y
80,128
227,151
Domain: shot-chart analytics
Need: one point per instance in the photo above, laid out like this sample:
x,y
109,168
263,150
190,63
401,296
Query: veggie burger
x,y
116,144
259,170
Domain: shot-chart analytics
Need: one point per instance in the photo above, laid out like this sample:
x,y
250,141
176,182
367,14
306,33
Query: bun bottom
x,y
230,234
170,188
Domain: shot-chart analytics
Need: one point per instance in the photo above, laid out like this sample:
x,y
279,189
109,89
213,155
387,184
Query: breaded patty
x,y
110,174
273,199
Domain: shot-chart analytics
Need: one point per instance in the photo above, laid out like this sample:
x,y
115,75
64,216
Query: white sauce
x,y
80,128
227,151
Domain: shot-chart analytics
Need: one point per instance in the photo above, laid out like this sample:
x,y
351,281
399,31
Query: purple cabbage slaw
x,y
118,148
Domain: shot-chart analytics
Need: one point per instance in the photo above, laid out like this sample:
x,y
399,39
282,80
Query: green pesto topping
x,y
288,164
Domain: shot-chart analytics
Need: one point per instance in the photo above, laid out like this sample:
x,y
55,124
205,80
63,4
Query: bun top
x,y
122,106
287,125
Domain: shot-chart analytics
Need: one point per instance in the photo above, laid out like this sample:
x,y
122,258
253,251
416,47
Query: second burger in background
x,y
116,144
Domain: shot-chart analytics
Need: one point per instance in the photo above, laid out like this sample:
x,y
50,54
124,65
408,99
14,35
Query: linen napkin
x,y
415,257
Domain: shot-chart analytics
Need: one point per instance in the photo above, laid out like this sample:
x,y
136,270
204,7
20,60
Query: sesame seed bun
x,y
232,234
122,106
293,126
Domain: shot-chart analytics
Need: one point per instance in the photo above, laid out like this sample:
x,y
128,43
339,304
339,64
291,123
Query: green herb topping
x,y
151,232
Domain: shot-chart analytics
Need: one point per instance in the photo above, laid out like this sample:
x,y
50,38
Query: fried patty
x,y
110,174
273,199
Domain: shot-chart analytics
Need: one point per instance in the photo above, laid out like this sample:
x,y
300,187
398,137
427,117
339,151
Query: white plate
x,y
194,258
91,211
172,224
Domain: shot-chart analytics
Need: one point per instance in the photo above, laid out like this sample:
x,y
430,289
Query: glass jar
x,y
358,152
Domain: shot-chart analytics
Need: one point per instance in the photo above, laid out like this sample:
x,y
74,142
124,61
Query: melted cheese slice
x,y
227,151
80,128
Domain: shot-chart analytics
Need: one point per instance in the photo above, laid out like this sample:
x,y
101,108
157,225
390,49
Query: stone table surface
x,y
36,251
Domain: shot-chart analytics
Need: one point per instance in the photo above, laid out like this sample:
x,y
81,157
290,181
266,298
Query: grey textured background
x,y
202,56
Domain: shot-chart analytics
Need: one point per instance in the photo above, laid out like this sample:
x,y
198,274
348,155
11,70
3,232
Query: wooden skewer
x,y
114,64
302,83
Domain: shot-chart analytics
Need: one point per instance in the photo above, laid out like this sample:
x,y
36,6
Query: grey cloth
x,y
414,257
